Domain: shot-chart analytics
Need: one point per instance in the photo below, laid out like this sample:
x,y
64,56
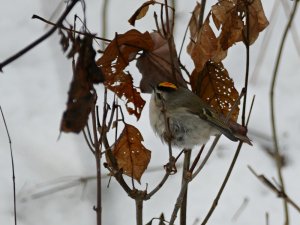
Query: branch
x,y
69,29
215,202
98,208
272,106
12,166
41,39
185,171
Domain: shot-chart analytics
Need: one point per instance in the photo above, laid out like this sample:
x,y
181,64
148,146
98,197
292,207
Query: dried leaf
x,y
203,45
225,13
122,85
122,50
194,21
131,155
82,95
116,58
140,12
155,65
231,15
257,20
216,88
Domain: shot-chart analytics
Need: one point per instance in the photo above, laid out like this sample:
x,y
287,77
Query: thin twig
x,y
240,209
185,170
216,200
88,142
247,62
104,20
196,160
267,218
278,190
41,39
250,111
12,166
212,147
294,33
188,179
98,208
178,202
201,15
272,106
169,36
69,29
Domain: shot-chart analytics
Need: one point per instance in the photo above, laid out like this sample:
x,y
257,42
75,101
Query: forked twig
x,y
279,191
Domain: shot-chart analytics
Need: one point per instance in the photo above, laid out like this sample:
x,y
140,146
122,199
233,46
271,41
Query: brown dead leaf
x,y
231,16
194,21
122,85
130,153
122,50
155,65
140,12
257,20
116,58
82,95
204,44
214,86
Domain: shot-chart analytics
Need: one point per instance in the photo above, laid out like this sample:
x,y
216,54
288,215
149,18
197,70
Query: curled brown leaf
x,y
122,85
140,12
131,155
82,96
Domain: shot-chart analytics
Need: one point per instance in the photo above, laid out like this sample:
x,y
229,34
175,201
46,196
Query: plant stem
x,y
139,211
98,207
272,104
104,20
12,166
186,166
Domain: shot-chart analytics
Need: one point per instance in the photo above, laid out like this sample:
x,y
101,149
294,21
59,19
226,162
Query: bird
x,y
179,116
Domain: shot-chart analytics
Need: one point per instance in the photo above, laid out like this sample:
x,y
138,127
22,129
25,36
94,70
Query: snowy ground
x,y
33,92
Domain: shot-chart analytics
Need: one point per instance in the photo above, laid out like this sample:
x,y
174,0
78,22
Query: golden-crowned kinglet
x,y
191,121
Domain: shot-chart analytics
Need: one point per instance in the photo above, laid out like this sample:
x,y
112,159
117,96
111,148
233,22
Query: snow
x,y
33,93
